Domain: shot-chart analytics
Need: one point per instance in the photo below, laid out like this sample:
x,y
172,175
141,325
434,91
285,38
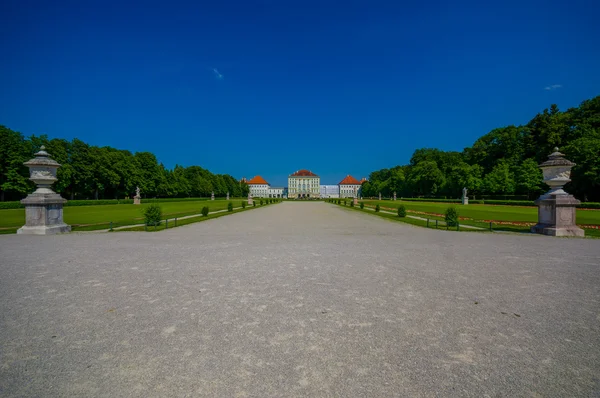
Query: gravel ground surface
x,y
297,300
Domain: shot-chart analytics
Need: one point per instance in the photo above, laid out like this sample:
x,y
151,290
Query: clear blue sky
x,y
272,87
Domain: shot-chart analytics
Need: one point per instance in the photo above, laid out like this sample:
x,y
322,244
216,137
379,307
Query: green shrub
x,y
230,207
362,205
352,203
153,214
261,202
10,205
451,216
204,211
243,204
344,202
253,203
377,208
401,211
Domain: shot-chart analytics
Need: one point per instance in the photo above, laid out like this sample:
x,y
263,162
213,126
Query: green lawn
x,y
485,212
99,217
481,215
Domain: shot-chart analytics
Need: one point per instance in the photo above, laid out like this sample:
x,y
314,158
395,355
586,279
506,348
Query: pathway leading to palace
x,y
299,299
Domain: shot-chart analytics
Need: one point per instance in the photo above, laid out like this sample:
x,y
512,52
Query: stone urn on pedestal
x,y
44,207
355,200
227,195
249,199
556,208
212,196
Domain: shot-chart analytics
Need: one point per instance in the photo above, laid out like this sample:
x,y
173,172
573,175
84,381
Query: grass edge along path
x,y
466,224
183,218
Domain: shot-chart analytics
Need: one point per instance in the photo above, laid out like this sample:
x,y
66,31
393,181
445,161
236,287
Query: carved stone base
x,y
465,200
137,200
45,230
44,215
556,216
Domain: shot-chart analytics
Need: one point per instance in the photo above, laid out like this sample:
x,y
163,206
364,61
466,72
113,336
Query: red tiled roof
x,y
303,173
349,180
257,180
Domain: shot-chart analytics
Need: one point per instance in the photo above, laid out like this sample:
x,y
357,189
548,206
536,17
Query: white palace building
x,y
304,184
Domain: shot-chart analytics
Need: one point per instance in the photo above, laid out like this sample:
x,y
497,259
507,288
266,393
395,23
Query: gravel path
x,y
297,300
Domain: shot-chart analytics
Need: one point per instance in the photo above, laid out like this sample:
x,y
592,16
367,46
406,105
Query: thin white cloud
x,y
218,75
553,87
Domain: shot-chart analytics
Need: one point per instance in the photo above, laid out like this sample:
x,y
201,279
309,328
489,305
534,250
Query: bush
x,y
377,208
243,204
153,215
362,205
230,207
451,217
401,211
352,204
253,203
344,202
204,211
261,202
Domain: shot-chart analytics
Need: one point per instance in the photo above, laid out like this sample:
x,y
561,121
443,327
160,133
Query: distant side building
x,y
259,188
303,184
350,187
276,192
329,191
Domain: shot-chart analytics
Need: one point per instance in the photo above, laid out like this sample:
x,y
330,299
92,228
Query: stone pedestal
x,y
227,195
44,215
355,201
250,199
556,216
212,196
137,200
465,200
379,195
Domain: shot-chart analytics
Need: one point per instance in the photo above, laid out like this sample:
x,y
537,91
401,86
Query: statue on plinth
x,y
465,198
137,199
212,195
556,208
44,207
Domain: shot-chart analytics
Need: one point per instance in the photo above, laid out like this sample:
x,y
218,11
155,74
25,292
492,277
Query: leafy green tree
x,y
14,151
500,180
585,176
529,178
425,178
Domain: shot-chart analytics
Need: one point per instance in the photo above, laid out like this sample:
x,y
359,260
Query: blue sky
x,y
268,88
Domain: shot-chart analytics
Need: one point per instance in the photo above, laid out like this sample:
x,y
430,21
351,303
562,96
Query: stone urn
x,y
43,207
557,173
556,208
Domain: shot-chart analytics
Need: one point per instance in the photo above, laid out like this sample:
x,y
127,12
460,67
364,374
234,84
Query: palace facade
x,y
304,184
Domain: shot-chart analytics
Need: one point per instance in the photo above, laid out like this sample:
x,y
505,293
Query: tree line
x,y
505,160
92,172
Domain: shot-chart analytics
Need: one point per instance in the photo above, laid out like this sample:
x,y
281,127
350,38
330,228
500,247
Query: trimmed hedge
x,y
431,200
